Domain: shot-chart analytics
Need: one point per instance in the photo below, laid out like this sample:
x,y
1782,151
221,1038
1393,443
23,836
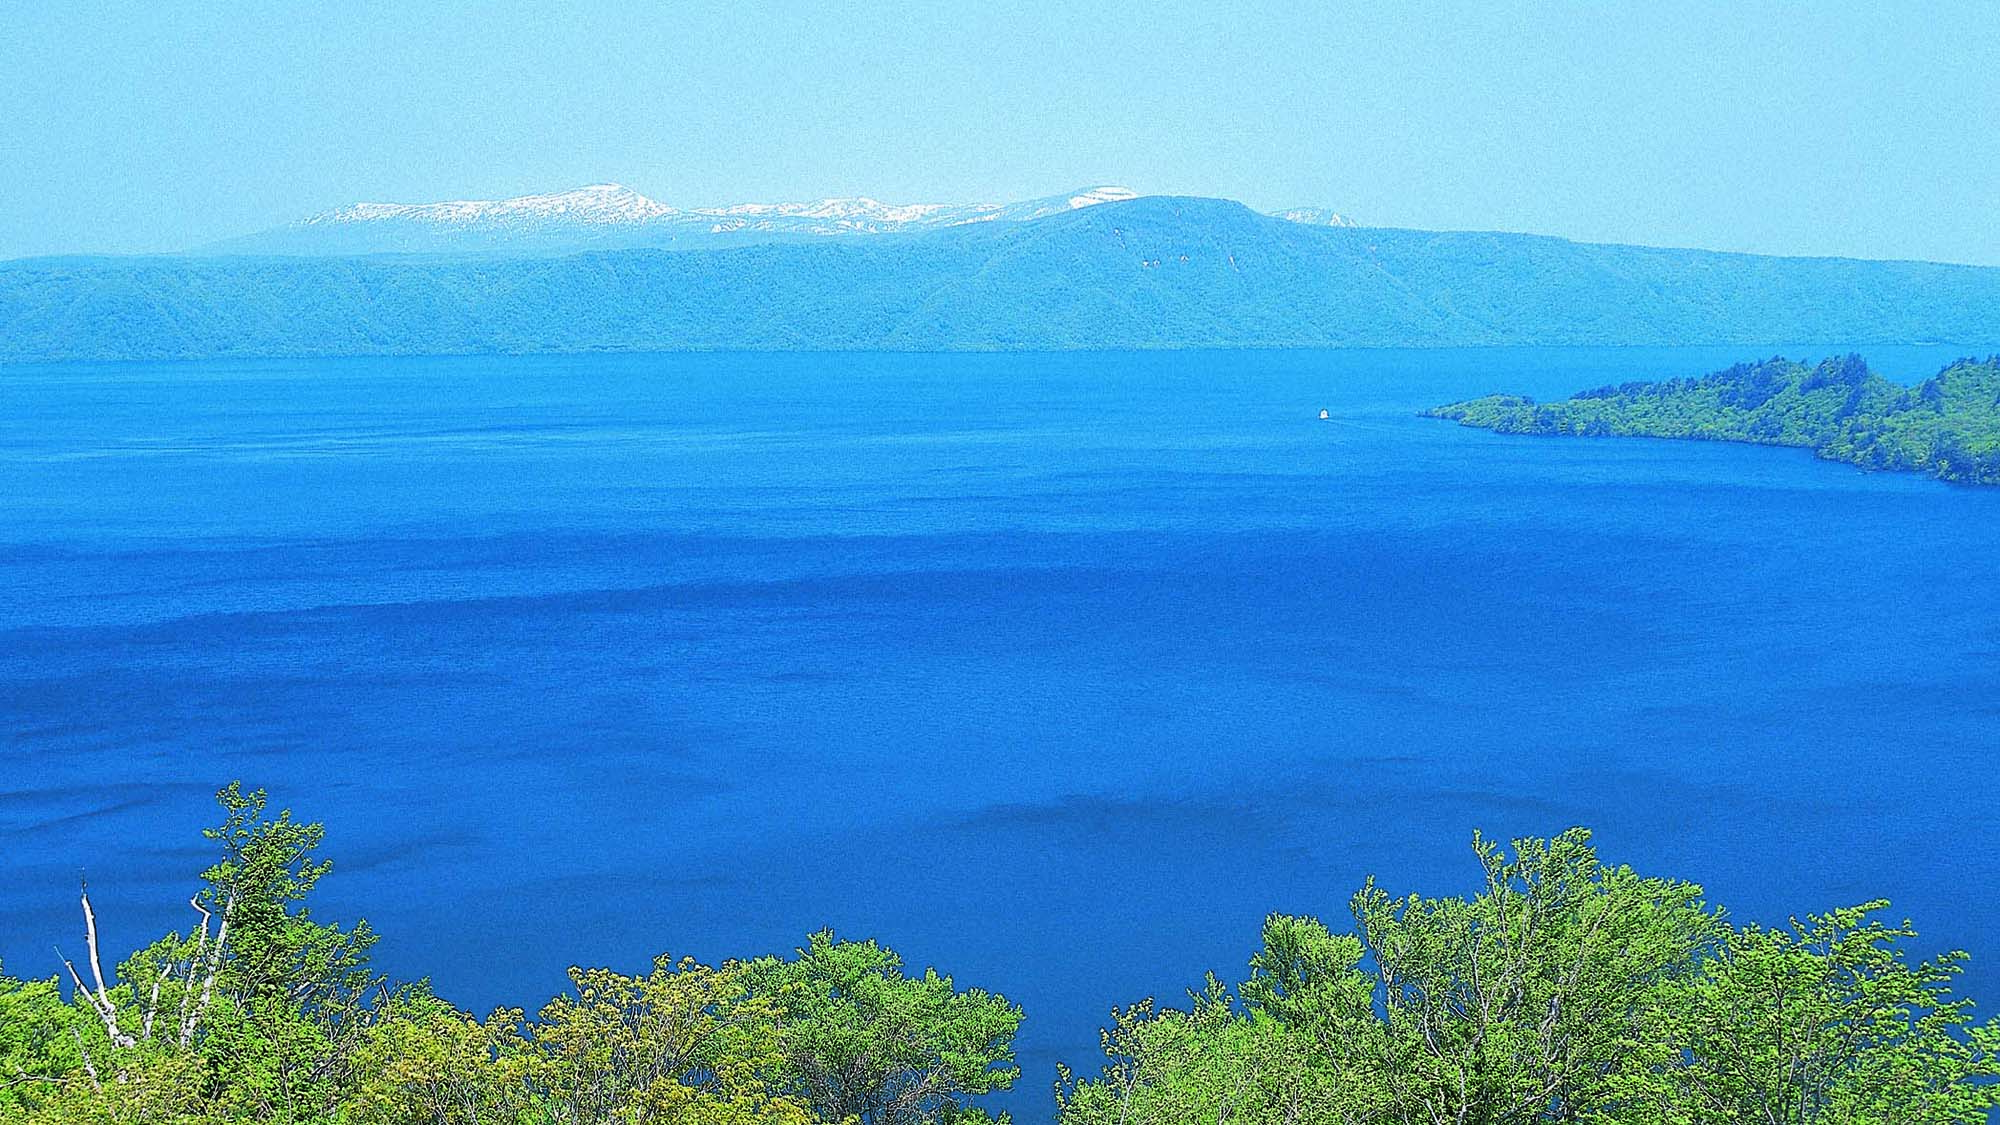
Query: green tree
x,y
1526,1002
251,1016
291,999
1828,1021
1520,1003
1215,1062
40,1043
424,1062
864,1042
685,1044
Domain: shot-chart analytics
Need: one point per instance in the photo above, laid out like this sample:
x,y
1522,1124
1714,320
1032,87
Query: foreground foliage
x,y
1949,427
263,1013
1564,991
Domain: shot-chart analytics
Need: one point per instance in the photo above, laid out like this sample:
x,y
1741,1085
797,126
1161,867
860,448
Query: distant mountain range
x,y
610,216
1151,272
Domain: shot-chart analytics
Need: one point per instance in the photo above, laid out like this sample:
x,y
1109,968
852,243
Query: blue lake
x,y
1055,671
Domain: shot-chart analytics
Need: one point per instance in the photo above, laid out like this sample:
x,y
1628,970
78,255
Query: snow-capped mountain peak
x,y
609,215
595,204
614,203
862,213
1106,194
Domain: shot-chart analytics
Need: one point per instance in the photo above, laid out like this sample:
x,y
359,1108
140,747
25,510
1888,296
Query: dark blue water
x,y
1055,671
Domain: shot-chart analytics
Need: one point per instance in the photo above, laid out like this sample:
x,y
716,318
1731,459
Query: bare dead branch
x,y
88,1068
152,1007
214,967
105,1009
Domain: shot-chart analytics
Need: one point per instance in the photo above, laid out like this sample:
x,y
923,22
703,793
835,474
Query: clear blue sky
x,y
1868,129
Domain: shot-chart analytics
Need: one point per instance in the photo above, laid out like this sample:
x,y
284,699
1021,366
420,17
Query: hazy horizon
x,y
704,205
1837,131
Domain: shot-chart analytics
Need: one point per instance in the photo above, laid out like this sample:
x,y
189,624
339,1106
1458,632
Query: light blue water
x,y
1055,671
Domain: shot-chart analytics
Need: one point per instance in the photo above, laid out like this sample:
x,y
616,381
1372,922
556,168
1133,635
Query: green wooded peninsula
x,y
1563,990
1947,427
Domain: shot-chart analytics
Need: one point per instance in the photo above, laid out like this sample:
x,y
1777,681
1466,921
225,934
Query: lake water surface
x,y
1055,671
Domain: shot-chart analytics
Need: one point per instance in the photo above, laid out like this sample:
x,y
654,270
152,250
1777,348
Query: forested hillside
x,y
1948,427
1155,272
1565,990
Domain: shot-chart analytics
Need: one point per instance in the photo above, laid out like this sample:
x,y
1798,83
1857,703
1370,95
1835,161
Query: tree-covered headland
x,y
1564,990
1948,427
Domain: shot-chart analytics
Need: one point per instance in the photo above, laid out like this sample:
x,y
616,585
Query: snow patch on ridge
x,y
596,204
1314,217
610,214
609,204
